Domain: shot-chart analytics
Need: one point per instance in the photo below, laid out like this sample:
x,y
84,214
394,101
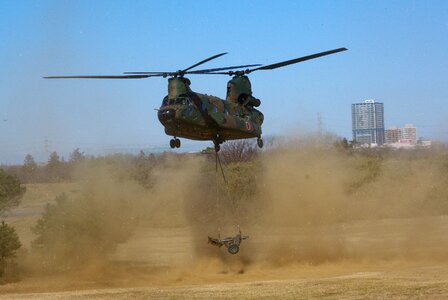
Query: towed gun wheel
x,y
233,249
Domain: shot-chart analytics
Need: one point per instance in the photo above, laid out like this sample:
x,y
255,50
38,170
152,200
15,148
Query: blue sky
x,y
398,55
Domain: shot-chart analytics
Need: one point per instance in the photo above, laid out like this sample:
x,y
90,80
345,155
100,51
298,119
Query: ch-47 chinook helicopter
x,y
195,116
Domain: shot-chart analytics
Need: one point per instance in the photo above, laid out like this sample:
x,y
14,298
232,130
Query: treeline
x,y
57,169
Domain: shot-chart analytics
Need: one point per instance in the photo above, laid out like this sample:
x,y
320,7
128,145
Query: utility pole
x,y
46,145
319,124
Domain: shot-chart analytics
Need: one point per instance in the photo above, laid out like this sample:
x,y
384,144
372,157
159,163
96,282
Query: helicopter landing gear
x,y
217,141
175,143
260,142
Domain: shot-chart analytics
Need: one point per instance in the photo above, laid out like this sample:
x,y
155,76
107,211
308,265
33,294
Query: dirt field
x,y
160,263
340,281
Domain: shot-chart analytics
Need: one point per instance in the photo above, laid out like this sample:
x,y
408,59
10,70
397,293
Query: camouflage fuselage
x,y
195,116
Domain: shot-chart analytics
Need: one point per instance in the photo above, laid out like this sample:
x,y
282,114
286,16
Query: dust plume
x,y
302,204
81,231
322,204
308,202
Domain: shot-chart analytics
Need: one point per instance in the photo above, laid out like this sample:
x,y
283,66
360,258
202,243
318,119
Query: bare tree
x,y
238,151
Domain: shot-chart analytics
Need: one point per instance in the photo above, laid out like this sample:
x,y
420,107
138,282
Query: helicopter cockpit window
x,y
182,101
165,101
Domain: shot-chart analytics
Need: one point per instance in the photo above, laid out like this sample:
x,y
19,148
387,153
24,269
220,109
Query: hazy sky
x,y
398,55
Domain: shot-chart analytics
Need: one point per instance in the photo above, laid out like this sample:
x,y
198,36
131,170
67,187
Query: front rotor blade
x,y
102,77
203,61
297,60
221,69
147,72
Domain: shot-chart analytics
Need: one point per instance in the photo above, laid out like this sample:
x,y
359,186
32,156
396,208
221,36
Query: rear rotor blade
x,y
296,60
203,61
271,66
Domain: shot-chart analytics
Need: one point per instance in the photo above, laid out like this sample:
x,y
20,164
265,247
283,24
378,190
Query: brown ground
x,y
159,263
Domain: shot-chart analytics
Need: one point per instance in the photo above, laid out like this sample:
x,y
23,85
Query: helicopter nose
x,y
166,114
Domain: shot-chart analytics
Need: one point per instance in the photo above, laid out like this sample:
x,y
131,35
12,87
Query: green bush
x,y
10,191
9,243
75,231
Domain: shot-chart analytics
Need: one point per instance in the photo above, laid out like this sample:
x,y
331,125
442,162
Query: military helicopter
x,y
195,116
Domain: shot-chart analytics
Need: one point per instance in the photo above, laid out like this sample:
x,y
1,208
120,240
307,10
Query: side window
x,y
229,87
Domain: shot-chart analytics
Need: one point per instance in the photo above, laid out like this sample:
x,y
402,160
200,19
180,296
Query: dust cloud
x,y
315,204
323,205
302,204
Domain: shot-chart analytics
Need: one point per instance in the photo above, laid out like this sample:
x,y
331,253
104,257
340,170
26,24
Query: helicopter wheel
x,y
260,143
173,143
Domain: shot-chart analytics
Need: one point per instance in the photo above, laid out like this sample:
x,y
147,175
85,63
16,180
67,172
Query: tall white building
x,y
368,122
